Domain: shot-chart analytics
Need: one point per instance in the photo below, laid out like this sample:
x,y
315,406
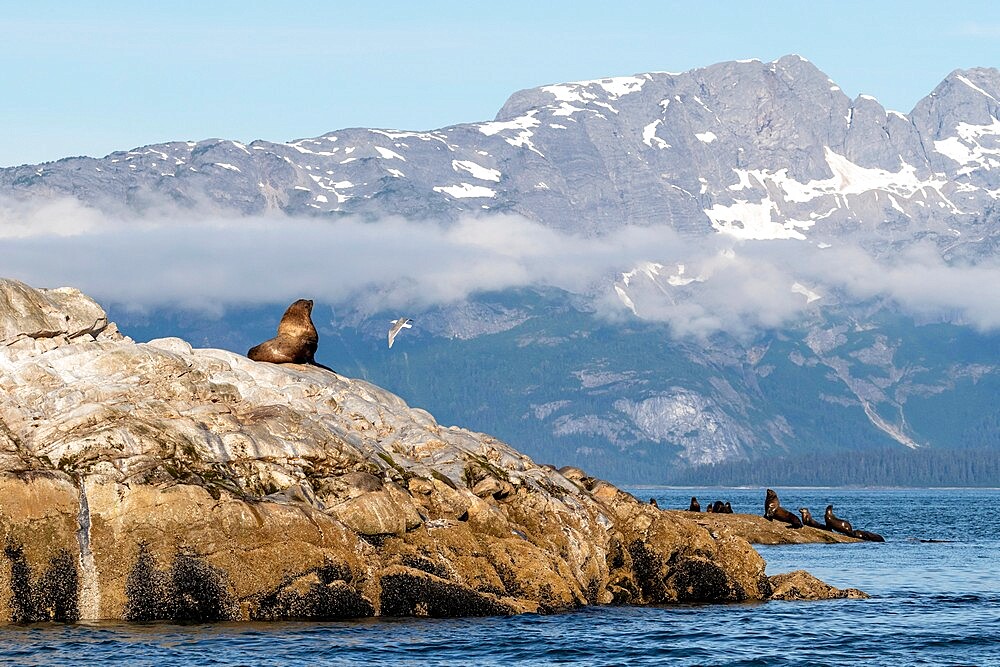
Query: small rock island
x,y
153,481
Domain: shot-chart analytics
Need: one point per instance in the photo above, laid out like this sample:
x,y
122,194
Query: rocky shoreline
x,y
146,481
755,529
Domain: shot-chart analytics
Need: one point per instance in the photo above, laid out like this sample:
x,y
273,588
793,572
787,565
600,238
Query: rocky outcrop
x,y
800,585
145,481
755,529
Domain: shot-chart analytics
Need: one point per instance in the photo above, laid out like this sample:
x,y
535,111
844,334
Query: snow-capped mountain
x,y
748,151
757,150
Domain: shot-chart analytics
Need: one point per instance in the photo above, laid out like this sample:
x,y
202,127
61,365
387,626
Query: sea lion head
x,y
297,320
301,305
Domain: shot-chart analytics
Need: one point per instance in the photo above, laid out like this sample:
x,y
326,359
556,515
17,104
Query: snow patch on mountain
x,y
520,127
387,154
466,190
649,135
848,179
755,221
580,91
968,147
476,170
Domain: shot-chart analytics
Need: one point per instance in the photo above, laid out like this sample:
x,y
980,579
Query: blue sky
x,y
88,78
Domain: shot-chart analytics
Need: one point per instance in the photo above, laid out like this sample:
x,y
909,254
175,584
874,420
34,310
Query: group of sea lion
x,y
773,510
718,507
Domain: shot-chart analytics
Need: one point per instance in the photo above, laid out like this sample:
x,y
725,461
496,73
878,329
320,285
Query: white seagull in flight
x,y
397,326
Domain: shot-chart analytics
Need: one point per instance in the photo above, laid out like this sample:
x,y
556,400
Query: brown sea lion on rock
x,y
727,508
773,510
868,537
695,506
808,520
839,525
296,341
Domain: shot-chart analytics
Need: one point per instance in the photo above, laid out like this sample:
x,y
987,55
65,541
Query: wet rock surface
x,y
147,481
800,585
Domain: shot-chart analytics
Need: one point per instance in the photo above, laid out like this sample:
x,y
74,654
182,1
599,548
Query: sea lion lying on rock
x,y
844,526
296,341
808,520
773,510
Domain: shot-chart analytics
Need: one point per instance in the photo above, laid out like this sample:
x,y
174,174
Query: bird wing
x,y
397,325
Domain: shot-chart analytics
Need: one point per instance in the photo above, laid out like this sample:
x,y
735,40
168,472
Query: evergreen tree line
x,y
884,467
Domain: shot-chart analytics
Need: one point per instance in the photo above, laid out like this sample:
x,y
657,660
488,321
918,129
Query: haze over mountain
x,y
719,265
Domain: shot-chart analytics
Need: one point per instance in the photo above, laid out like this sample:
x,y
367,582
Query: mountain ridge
x,y
854,209
757,150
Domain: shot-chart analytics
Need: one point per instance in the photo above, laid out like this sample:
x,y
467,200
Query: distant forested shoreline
x,y
885,467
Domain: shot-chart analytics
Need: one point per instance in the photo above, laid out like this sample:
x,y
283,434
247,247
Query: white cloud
x,y
206,261
211,262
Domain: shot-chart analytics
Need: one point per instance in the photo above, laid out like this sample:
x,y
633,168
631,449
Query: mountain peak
x,y
752,148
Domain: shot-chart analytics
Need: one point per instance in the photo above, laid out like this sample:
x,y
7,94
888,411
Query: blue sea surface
x,y
932,603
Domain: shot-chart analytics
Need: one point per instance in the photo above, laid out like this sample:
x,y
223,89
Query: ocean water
x,y
933,603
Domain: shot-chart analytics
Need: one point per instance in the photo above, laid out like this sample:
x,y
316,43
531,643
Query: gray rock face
x,y
758,150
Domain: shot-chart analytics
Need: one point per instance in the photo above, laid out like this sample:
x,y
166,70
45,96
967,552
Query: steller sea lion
x,y
695,506
808,520
868,537
773,510
296,341
727,508
839,525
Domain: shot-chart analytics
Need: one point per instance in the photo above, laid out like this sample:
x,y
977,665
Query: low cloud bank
x,y
211,263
